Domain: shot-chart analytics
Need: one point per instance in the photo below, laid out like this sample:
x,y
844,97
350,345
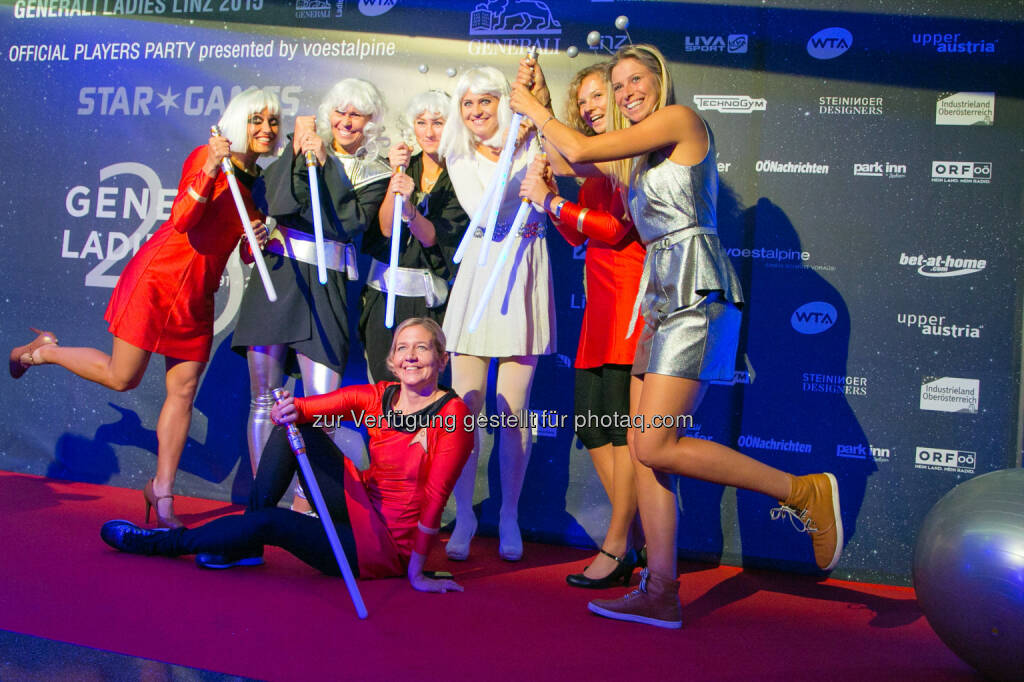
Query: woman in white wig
x,y
433,222
163,301
309,321
518,324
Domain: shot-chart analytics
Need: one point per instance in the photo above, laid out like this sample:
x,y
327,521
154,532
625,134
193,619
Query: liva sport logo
x,y
814,317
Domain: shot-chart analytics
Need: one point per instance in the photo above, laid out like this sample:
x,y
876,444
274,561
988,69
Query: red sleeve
x,y
451,450
602,214
195,191
349,402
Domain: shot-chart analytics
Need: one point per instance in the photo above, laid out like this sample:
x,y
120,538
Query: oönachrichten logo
x,y
814,317
829,43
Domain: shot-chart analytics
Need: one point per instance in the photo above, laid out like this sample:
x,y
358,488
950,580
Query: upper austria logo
x,y
814,317
829,43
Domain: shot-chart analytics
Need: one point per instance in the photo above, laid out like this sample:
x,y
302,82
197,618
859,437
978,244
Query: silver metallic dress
x,y
689,295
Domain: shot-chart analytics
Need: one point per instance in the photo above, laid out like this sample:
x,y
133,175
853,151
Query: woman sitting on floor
x,y
387,517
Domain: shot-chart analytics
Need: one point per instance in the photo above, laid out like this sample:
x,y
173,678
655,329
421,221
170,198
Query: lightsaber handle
x,y
318,220
243,215
299,448
396,243
511,238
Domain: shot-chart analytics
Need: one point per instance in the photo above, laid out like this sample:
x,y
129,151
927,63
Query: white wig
x,y
482,80
234,123
365,98
432,102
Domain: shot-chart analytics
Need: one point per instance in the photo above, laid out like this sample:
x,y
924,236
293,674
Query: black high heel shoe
x,y
622,574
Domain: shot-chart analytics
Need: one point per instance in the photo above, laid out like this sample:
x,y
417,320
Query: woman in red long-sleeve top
x,y
613,267
388,516
163,302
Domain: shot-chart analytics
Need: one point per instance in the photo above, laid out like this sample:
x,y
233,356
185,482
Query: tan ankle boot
x,y
813,508
654,602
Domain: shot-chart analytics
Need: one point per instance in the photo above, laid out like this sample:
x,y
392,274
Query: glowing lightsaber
x,y
318,220
510,239
313,488
478,216
503,171
243,215
396,242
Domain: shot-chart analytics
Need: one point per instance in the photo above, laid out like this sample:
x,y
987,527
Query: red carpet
x,y
514,621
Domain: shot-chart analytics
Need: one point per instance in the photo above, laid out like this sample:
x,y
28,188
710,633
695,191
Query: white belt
x,y
300,246
410,282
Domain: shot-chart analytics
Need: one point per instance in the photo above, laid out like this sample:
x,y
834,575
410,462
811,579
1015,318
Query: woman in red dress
x,y
163,301
613,266
388,516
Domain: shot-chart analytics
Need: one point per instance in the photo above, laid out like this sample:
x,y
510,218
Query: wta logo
x,y
829,43
814,317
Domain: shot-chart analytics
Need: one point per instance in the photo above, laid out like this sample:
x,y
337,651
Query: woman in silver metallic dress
x,y
690,299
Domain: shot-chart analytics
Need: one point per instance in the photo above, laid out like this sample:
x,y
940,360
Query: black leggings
x,y
602,392
263,523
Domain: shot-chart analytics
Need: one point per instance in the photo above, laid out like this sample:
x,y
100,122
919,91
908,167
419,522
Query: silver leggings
x,y
266,372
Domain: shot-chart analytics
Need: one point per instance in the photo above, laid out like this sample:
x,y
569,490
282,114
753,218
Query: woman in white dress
x,y
518,324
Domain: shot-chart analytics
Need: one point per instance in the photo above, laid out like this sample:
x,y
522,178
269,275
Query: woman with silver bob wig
x,y
433,222
308,325
518,323
163,301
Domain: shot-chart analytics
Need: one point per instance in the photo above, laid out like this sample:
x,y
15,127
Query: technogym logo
x,y
730,104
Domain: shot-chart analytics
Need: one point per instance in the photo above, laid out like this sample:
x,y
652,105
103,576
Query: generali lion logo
x,y
507,17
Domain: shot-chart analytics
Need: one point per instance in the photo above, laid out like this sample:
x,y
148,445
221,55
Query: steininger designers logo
x,y
829,43
814,317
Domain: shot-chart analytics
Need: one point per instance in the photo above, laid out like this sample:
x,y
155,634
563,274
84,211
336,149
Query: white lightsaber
x,y
503,171
478,216
313,488
396,243
243,215
510,239
318,220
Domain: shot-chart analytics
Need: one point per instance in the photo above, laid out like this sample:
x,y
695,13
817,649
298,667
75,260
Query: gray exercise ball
x,y
969,572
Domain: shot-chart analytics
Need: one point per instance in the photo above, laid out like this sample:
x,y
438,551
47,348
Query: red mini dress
x,y
612,271
163,301
395,506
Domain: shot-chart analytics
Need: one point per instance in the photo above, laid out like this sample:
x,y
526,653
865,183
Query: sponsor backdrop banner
x,y
871,203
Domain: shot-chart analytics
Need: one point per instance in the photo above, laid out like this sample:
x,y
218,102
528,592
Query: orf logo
x,y
829,43
814,317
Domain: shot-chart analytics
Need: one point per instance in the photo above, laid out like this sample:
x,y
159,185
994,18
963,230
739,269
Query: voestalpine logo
x,y
730,104
510,17
375,8
814,317
829,43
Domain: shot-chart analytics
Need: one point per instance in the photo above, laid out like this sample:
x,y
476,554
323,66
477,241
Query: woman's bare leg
x,y
182,382
121,370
